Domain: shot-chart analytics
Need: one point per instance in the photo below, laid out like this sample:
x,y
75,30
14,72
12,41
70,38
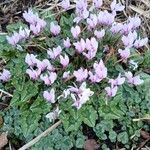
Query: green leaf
x,y
123,137
112,135
89,116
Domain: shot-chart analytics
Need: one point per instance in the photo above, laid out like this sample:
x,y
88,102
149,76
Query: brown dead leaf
x,y
3,140
145,134
91,144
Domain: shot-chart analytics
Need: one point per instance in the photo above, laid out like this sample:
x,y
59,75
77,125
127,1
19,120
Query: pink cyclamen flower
x,y
116,6
64,60
99,34
55,29
126,28
14,39
94,77
81,74
67,43
42,65
53,115
50,96
92,21
135,80
81,10
41,23
30,59
24,33
106,18
100,70
75,31
116,27
135,21
5,75
140,42
97,3
91,44
118,81
65,4
80,46
66,74
111,91
48,65
80,95
33,74
36,29
53,54
49,78
129,39
30,17
125,54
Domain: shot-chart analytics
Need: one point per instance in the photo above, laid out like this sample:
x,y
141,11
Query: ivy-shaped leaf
x,y
89,116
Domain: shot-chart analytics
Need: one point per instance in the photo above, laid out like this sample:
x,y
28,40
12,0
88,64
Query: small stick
x,y
10,95
140,119
43,134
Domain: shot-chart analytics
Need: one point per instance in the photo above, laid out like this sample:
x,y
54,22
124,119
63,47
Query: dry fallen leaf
x,y
145,135
3,140
91,144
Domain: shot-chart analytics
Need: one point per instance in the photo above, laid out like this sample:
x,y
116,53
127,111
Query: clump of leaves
x,y
85,69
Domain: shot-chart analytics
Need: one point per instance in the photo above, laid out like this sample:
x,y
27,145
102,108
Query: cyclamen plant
x,y
91,27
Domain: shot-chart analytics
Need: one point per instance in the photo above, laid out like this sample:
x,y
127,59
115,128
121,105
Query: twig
x,y
139,119
43,134
10,95
143,143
